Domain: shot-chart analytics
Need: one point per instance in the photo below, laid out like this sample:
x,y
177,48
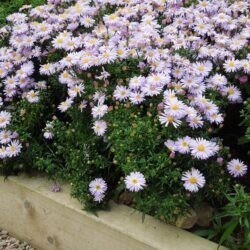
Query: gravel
x,y
9,243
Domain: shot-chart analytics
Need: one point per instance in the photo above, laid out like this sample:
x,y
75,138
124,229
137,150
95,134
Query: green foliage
x,y
9,6
134,142
231,225
245,114
136,139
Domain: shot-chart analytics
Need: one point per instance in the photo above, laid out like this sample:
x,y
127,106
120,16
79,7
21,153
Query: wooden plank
x,y
50,221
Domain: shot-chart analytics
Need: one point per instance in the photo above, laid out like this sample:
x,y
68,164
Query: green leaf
x,y
246,222
203,232
229,230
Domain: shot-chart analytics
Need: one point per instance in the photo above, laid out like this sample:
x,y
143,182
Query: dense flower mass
x,y
179,59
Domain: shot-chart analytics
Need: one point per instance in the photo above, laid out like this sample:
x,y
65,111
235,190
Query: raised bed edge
x,y
49,220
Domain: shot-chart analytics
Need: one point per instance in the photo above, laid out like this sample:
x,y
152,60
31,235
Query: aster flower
x,y
167,119
97,188
136,82
99,111
136,97
47,69
76,90
100,127
193,180
215,118
3,152
55,188
59,42
28,68
194,121
107,55
135,181
99,197
11,82
203,68
48,135
175,108
99,97
32,96
236,168
5,136
171,145
151,89
64,106
4,119
203,149
233,93
231,65
121,93
82,105
182,145
14,148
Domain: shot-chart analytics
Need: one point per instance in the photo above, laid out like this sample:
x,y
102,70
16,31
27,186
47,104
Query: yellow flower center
x,y
120,52
2,150
134,181
123,92
2,119
43,28
65,75
238,167
193,180
85,60
195,120
112,16
59,40
230,91
170,118
201,148
175,107
46,66
5,136
201,68
106,54
32,94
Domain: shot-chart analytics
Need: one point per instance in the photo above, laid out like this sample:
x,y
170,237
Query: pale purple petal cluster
x,y
135,181
193,180
198,148
97,188
236,168
149,32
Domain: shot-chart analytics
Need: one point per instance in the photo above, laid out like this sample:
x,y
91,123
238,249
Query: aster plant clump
x,y
114,95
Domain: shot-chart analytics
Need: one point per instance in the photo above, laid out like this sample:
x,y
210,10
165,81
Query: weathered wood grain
x,y
52,221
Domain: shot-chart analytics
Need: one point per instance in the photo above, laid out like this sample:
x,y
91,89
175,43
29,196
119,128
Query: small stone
x,y
205,214
2,244
24,244
187,221
126,198
10,243
3,232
